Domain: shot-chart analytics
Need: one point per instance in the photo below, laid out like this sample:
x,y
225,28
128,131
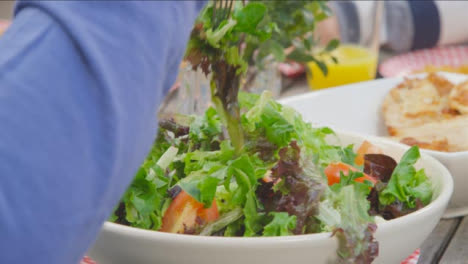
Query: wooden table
x,y
448,243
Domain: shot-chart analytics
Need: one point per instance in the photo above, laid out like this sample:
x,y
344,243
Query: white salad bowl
x,y
398,238
357,108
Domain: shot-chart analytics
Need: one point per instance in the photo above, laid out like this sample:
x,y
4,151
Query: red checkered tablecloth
x,y
413,258
407,63
87,260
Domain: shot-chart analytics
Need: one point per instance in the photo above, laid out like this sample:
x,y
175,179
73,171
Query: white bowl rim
x,y
441,199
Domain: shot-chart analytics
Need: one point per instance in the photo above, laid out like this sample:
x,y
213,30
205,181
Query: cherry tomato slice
x,y
183,212
332,171
366,148
209,214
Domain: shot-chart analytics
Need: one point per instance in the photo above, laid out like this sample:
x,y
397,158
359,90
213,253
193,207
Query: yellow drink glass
x,y
358,52
355,64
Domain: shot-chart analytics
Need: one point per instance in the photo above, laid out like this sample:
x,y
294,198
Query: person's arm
x,y
80,82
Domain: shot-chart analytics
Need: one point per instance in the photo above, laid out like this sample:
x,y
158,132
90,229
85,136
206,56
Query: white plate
x,y
398,238
357,108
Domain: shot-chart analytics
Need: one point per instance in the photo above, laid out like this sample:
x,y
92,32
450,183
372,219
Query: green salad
x,y
284,180
252,167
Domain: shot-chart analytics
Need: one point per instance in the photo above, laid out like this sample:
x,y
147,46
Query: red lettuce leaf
x,y
294,192
348,242
379,166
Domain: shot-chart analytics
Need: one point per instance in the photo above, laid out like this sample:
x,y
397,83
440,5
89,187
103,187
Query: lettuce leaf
x,y
345,212
296,192
249,17
205,170
281,124
246,178
205,130
406,184
222,222
282,224
253,218
146,198
266,116
348,155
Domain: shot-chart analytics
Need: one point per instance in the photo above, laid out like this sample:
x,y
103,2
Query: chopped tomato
x,y
209,214
332,171
366,148
183,212
267,178
366,178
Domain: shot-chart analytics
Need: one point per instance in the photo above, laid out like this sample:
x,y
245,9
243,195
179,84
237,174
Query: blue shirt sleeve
x,y
80,82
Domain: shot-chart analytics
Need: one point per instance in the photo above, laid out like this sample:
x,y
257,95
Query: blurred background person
x,y
406,25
